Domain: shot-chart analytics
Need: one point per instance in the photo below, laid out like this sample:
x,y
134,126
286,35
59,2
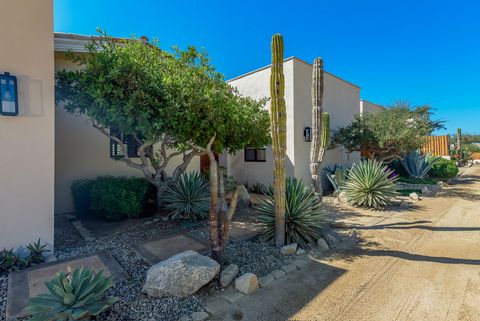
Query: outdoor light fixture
x,y
307,133
8,95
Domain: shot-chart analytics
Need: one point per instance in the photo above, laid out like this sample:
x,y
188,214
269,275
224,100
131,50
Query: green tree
x,y
130,85
390,133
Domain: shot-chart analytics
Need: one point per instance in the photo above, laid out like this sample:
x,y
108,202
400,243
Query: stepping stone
x,y
157,250
241,231
31,282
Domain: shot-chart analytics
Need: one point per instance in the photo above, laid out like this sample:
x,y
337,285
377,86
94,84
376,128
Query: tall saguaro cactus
x,y
320,126
278,122
459,143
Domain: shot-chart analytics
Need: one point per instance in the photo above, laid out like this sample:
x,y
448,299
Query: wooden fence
x,y
436,145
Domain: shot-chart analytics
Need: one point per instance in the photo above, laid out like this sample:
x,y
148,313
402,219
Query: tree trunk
x,y
161,187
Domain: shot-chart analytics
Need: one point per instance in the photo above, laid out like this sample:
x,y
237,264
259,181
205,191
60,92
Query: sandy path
x,y
422,264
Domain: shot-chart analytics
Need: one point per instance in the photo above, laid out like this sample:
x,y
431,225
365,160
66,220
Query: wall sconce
x,y
8,95
307,134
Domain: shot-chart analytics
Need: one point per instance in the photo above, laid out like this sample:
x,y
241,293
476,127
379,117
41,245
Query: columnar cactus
x,y
459,142
278,122
320,130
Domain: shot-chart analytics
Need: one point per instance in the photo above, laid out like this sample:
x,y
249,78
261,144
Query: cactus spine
x,y
320,126
278,123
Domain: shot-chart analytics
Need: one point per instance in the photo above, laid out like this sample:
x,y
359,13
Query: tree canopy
x,y
390,133
172,102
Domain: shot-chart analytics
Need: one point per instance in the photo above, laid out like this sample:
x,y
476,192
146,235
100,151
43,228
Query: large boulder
x,y
180,275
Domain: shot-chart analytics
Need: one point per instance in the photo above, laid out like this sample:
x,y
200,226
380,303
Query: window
x,y
255,155
129,141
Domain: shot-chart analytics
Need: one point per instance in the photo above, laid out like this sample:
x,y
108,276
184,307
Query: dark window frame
x,y
255,157
129,141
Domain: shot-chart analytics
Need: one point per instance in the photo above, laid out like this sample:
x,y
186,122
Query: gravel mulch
x,y
3,297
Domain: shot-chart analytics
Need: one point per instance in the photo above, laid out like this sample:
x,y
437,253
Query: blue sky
x,y
425,52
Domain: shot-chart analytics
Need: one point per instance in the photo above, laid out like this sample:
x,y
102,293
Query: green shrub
x,y
36,252
337,175
9,261
120,197
80,190
444,169
73,296
188,197
370,184
303,218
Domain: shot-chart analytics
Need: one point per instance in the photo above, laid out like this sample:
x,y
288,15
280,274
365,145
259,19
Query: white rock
x,y
414,196
322,244
181,275
247,283
228,274
342,197
289,249
300,251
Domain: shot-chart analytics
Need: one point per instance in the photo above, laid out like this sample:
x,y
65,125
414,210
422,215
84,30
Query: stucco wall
x,y
341,100
257,85
369,107
81,152
27,141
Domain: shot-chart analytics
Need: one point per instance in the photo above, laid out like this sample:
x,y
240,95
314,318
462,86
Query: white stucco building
x,y
341,100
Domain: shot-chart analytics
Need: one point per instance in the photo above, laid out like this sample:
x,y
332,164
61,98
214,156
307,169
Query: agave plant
x,y
9,261
370,184
73,296
418,165
188,197
303,218
37,251
337,175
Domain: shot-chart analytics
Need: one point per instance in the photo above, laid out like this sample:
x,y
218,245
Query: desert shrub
x,y
370,184
303,218
36,252
418,165
337,175
72,296
258,188
444,169
188,197
9,261
80,190
120,197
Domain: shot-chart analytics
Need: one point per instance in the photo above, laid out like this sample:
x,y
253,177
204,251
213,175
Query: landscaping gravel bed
x,y
3,297
251,256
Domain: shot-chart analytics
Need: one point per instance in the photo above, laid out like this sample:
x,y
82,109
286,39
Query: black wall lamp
x,y
307,134
8,95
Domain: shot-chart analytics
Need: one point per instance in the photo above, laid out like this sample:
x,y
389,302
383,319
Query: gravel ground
x,y
251,256
3,297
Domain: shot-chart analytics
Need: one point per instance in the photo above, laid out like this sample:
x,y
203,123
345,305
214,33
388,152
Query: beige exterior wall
x,y
82,152
27,141
341,100
369,107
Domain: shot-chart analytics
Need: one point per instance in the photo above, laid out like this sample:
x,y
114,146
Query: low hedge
x,y
114,198
444,169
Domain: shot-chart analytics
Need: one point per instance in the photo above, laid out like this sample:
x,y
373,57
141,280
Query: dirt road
x,y
419,264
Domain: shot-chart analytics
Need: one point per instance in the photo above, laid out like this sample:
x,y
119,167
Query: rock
x,y
277,274
148,222
228,275
216,305
426,191
185,318
322,244
289,249
180,275
199,316
232,296
331,239
243,197
265,280
247,283
300,251
414,196
289,268
342,197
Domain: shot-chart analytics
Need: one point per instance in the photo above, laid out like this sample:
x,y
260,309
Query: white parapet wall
x,y
27,140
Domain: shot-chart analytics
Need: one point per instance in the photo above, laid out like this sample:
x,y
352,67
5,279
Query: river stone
x,y
289,249
322,244
414,196
228,274
180,275
247,283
